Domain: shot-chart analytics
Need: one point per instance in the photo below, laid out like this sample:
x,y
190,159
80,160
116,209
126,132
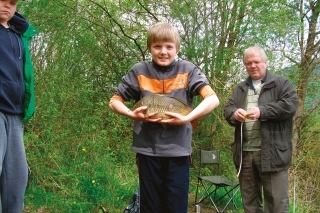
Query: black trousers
x,y
164,184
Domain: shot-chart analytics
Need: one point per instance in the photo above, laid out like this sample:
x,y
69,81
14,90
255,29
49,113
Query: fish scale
x,y
161,104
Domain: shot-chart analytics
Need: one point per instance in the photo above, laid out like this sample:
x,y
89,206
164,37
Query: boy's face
x,y
7,10
163,53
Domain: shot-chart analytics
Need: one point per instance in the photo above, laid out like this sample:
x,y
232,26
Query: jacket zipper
x,y
18,76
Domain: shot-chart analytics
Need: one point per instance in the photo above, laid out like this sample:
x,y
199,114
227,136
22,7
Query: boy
x,y
16,104
163,154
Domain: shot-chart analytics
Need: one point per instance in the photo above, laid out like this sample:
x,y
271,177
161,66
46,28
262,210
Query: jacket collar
x,y
263,80
165,68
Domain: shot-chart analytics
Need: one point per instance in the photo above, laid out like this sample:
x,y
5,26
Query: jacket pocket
x,y
282,156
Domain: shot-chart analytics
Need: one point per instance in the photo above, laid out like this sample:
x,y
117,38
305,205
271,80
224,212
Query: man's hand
x,y
254,113
241,115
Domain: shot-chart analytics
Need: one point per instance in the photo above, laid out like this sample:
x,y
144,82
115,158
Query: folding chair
x,y
212,183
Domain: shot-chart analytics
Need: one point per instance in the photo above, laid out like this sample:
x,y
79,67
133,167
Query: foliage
x,y
79,151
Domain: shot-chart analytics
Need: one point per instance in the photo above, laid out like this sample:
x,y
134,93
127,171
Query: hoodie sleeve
x,y
29,99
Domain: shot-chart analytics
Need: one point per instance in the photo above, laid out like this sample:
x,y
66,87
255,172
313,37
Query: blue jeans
x,y
164,184
13,164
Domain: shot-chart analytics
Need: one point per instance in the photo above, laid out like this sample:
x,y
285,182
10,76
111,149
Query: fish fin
x,y
164,125
194,124
201,118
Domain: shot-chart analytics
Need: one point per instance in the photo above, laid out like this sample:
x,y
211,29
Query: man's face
x,y
163,53
7,10
255,65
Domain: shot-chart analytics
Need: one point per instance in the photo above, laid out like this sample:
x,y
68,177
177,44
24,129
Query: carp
x,y
162,103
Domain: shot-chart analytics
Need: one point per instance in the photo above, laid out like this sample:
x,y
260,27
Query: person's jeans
x,y
13,164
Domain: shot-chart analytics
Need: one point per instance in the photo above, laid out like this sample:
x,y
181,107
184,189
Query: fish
x,y
163,103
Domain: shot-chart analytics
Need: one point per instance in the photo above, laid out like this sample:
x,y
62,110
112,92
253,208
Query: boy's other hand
x,y
175,119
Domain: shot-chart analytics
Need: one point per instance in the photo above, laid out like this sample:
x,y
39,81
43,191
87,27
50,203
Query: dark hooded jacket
x,y
277,103
16,71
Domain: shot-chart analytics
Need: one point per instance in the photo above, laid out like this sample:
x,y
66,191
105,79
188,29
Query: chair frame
x,y
211,183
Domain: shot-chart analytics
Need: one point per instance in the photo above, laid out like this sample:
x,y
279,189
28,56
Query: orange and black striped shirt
x,y
182,80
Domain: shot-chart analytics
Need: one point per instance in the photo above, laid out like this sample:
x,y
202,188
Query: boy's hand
x,y
175,119
141,115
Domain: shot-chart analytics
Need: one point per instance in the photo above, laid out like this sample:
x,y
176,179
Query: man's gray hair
x,y
254,49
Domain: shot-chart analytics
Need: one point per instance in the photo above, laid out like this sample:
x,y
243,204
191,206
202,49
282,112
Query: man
x,y
261,109
16,104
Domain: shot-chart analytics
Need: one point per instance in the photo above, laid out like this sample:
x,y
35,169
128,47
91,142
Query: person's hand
x,y
175,119
240,115
254,113
141,115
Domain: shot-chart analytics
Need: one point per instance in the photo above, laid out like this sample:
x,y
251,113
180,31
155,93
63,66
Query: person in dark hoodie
x,y
17,104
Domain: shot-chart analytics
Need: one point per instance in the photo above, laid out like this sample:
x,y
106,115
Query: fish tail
x,y
194,124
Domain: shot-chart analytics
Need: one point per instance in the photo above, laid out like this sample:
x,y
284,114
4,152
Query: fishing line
x,y
240,149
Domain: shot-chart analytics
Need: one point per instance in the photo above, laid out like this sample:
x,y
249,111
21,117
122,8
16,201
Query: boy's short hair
x,y
163,32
